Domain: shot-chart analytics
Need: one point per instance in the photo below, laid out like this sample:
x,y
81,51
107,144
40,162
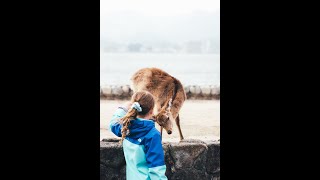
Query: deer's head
x,y
164,118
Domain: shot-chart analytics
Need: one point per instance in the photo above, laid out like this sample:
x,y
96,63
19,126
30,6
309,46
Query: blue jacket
x,y
142,148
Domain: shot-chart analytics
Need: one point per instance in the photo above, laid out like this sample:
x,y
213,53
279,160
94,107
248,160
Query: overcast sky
x,y
158,7
176,20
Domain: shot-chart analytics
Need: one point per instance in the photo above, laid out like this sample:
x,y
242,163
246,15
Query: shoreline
x,y
195,92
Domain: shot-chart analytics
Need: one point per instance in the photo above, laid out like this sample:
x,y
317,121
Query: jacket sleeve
x,y
155,158
114,124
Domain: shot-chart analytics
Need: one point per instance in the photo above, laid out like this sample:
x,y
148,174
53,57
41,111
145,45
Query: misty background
x,y
180,37
196,32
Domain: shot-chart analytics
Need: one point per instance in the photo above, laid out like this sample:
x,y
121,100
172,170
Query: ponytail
x,y
132,114
142,103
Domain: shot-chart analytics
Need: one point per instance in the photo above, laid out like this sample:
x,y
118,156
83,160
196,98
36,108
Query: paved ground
x,y
199,119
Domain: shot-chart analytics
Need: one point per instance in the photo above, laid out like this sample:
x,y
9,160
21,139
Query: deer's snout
x,y
169,131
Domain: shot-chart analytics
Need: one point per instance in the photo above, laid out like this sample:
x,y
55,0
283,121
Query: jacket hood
x,y
140,127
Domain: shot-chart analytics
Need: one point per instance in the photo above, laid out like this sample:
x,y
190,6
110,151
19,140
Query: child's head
x,y
142,105
146,102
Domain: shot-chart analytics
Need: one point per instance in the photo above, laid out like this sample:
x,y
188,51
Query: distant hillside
x,y
155,32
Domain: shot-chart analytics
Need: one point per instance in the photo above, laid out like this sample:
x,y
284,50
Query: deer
x,y
168,92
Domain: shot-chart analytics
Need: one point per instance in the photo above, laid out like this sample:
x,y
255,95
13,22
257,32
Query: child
x,y
141,140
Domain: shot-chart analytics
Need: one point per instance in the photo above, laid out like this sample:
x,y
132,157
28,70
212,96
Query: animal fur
x,y
164,88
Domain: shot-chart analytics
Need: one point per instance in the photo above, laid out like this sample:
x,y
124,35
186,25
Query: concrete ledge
x,y
188,159
192,92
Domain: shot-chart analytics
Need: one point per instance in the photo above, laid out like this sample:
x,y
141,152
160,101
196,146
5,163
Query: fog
x,y
160,26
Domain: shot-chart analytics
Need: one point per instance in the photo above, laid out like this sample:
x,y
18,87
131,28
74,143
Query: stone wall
x,y
192,92
186,160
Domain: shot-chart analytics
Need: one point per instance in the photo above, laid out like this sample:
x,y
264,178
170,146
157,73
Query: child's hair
x,y
146,102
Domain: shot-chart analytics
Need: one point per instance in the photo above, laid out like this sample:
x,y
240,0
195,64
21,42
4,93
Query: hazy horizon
x,y
156,22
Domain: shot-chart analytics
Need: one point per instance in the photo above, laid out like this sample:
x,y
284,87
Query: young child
x,y
141,140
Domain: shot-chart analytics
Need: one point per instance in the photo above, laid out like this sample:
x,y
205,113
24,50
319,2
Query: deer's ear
x,y
170,102
169,105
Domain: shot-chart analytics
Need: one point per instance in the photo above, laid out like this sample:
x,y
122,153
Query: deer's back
x,y
161,85
154,80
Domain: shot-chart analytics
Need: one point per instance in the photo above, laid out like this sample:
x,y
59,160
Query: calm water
x,y
190,69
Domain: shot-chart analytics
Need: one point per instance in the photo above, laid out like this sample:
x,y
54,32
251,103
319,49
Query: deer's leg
x,y
179,128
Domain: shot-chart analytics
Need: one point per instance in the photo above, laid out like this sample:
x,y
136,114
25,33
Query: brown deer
x,y
168,93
